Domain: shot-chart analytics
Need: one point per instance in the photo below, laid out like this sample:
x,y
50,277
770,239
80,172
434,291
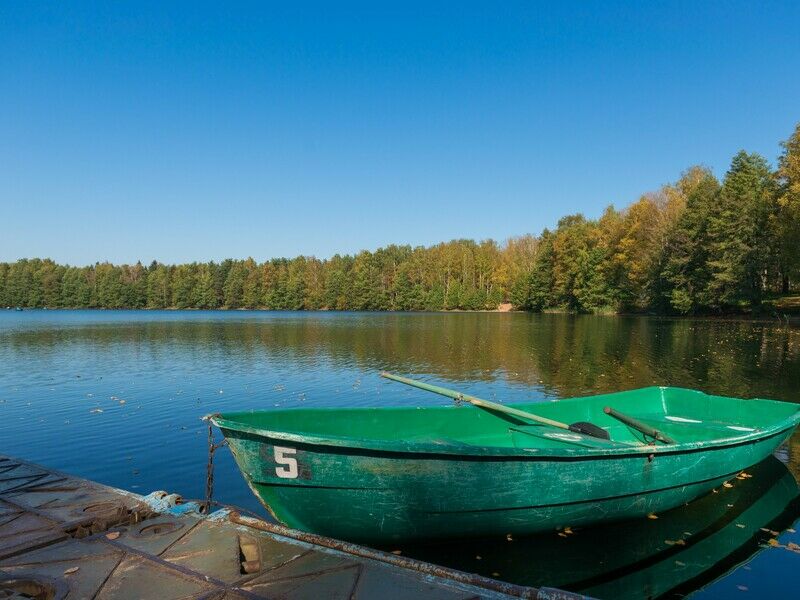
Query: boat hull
x,y
381,497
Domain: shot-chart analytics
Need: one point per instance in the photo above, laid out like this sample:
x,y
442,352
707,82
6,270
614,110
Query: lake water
x,y
118,397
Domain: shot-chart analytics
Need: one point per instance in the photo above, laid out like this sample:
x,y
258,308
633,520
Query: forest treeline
x,y
695,245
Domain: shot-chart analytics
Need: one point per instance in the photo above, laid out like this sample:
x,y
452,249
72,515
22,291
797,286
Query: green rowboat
x,y
378,475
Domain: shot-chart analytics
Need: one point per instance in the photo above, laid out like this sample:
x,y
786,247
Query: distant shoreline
x,y
790,318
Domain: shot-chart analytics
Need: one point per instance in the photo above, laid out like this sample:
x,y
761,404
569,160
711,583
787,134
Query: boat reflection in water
x,y
667,556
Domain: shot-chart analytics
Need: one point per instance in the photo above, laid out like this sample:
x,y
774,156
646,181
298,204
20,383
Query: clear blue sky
x,y
197,131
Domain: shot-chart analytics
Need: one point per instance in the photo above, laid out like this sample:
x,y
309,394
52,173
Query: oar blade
x,y
590,429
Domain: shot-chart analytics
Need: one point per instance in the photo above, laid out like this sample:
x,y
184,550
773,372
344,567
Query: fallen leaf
x,y
727,485
562,534
71,570
675,542
509,538
112,535
792,546
740,525
773,542
568,530
397,551
478,557
495,574
791,531
652,516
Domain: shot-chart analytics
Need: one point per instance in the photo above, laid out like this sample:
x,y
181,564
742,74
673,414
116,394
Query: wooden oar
x,y
580,427
639,426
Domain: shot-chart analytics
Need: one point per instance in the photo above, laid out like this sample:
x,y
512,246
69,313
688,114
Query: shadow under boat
x,y
666,556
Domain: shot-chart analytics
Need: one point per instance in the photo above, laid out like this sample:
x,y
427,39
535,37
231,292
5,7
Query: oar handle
x,y
638,425
475,401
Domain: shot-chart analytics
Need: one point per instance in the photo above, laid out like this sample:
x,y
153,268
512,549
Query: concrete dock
x,y
65,538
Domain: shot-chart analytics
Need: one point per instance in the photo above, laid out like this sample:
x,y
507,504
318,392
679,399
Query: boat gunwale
x,y
431,448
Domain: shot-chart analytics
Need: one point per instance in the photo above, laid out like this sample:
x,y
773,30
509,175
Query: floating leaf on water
x,y
743,588
740,525
478,557
112,535
727,485
509,538
793,546
568,530
562,534
774,543
791,530
652,516
397,551
71,570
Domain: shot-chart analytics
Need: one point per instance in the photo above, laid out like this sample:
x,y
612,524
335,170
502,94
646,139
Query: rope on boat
x,y
212,448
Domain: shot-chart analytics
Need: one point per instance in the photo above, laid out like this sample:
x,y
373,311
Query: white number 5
x,y
285,457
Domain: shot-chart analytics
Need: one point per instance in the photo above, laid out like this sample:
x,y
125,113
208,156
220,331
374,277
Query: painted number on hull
x,y
288,463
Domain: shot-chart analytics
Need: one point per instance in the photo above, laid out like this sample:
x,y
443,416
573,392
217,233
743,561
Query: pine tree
x,y
787,220
134,279
4,301
686,268
296,284
741,243
205,294
541,282
233,289
110,289
75,290
159,292
251,289
183,283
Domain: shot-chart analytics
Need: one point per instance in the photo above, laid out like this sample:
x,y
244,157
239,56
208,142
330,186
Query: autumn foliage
x,y
695,245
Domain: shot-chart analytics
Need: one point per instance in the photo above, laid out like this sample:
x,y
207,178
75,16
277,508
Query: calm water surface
x,y
117,397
